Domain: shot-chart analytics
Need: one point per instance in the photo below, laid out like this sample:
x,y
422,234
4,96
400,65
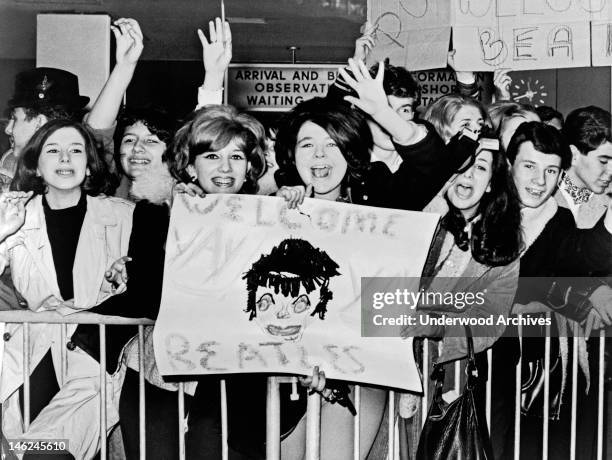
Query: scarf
x,y
579,195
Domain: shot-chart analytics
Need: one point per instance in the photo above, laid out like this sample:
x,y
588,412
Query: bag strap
x,y
470,369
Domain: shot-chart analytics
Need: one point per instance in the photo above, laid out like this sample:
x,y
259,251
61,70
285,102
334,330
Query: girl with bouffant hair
x,y
221,151
202,143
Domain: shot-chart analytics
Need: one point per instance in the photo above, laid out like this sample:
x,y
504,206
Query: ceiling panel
x,y
324,30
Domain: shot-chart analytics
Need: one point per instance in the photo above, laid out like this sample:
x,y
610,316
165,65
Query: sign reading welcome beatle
x,y
488,34
252,286
277,87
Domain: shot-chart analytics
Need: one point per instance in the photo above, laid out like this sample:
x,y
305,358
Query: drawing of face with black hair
x,y
289,286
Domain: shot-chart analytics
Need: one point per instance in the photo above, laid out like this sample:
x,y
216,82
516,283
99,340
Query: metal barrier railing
x,y
313,438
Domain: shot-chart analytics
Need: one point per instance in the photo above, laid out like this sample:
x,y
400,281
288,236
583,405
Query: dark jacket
x,y
143,295
425,168
563,250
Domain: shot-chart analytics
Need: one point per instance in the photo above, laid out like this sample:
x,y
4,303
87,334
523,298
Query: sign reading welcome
x,y
252,286
277,87
489,34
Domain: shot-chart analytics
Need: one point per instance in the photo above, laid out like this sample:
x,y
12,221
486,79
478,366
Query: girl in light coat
x,y
71,235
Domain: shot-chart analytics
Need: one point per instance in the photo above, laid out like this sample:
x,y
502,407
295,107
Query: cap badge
x,y
43,87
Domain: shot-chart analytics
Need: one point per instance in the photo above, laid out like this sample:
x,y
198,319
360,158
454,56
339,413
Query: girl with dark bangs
x,y
71,235
328,144
142,138
341,170
495,238
475,251
480,238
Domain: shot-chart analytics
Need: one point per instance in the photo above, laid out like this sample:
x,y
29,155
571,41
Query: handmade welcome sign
x,y
490,34
251,286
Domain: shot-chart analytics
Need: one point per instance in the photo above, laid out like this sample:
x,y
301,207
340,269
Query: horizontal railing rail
x,y
313,438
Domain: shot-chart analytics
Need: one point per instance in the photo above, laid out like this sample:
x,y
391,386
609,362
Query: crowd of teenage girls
x,y
522,193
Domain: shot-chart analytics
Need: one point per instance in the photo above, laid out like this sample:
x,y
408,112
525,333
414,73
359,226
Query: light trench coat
x,y
104,238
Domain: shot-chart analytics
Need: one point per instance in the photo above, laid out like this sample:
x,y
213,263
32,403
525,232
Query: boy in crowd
x,y
555,247
583,186
550,116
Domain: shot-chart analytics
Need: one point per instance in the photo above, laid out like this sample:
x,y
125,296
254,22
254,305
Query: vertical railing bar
x,y
517,394
63,354
273,420
26,376
142,433
600,399
313,427
102,330
224,448
574,397
425,367
458,376
181,420
391,422
488,392
357,426
546,408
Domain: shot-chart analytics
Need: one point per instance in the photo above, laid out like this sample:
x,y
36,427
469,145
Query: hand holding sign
x,y
316,382
339,393
294,195
502,81
365,43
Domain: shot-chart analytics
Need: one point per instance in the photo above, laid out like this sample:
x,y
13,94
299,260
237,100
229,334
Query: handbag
x,y
455,431
532,381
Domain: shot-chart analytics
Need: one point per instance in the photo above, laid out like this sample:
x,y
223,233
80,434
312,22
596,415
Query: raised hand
x,y
373,101
502,81
372,98
12,212
129,40
365,43
216,53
